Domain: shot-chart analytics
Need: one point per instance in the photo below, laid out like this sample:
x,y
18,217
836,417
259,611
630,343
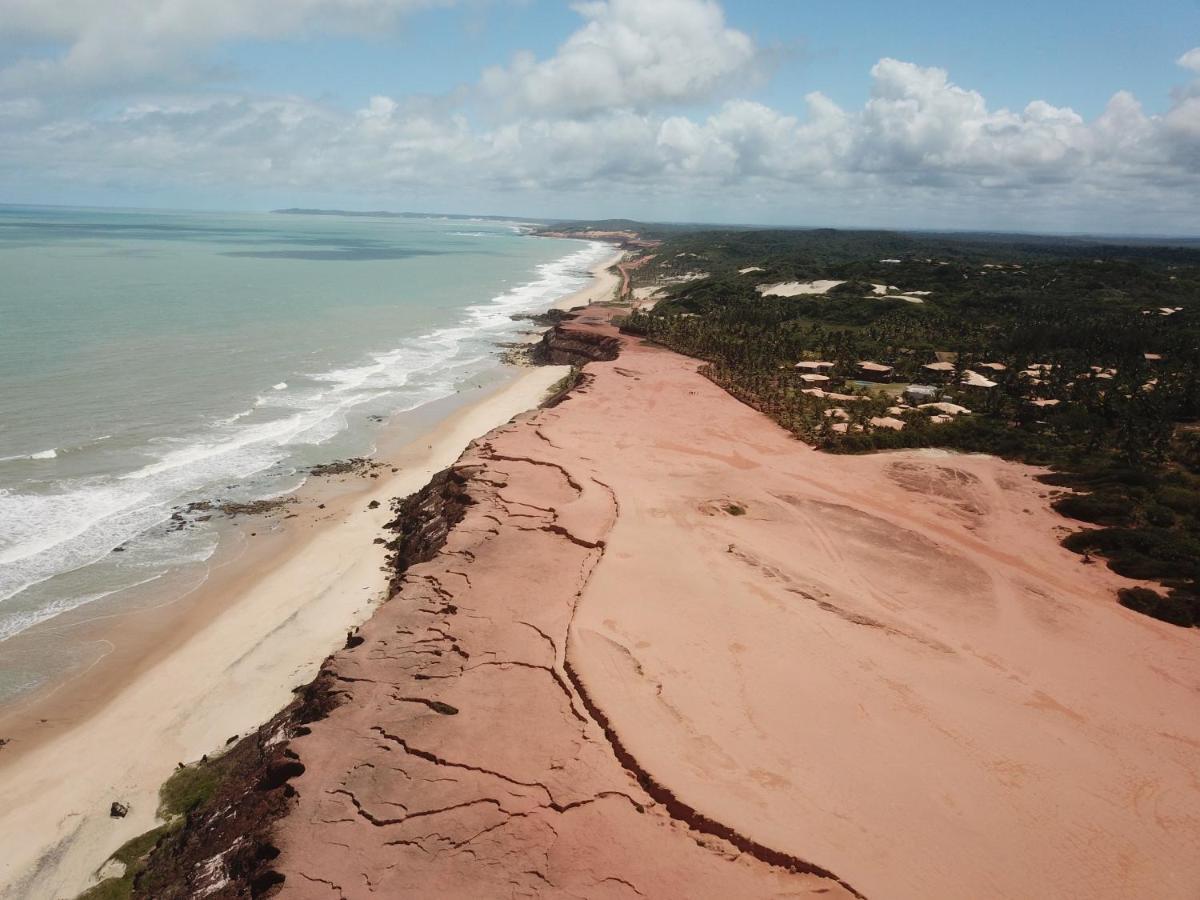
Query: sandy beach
x,y
604,282
176,681
666,650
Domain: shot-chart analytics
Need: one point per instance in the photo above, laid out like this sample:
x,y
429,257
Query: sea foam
x,y
64,526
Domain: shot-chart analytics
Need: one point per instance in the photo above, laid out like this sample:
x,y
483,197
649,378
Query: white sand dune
x,y
797,288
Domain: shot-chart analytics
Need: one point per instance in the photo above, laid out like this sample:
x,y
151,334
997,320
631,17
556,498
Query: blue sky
x,y
1049,116
1063,51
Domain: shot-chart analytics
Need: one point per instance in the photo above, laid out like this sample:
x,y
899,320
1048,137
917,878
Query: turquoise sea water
x,y
150,359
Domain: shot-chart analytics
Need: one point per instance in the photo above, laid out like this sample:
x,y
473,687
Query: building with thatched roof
x,y
940,371
873,371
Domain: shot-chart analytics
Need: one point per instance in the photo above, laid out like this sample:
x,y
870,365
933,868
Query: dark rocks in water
x,y
549,317
379,541
118,549
232,740
4,742
186,516
374,504
255,507
518,355
118,810
375,418
355,465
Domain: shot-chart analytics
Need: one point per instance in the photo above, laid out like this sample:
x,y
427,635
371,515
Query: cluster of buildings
x,y
941,374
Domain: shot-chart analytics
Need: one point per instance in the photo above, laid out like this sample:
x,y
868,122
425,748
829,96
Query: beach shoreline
x,y
183,677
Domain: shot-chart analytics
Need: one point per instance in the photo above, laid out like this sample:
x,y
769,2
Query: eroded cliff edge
x,y
449,749
646,643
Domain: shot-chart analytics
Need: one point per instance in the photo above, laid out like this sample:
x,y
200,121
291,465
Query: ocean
x,y
152,359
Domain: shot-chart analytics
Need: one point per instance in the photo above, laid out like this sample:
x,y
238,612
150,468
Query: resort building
x,y
938,371
873,371
948,409
920,393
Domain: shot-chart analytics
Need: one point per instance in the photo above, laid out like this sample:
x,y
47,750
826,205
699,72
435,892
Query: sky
x,y
1059,116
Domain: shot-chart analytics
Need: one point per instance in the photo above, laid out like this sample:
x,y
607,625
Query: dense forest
x,y
1076,355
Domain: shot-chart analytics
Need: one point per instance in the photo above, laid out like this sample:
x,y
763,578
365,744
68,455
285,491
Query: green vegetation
x,y
1093,349
131,856
562,387
186,789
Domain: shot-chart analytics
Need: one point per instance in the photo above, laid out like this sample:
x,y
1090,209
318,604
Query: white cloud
x,y
629,54
196,21
1191,60
606,118
107,42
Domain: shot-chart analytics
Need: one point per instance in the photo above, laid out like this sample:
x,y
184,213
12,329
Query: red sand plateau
x,y
671,652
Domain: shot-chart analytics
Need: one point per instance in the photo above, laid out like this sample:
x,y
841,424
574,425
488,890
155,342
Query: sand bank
x,y
180,680
669,651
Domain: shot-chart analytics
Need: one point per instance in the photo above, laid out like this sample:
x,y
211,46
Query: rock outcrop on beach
x,y
644,643
573,346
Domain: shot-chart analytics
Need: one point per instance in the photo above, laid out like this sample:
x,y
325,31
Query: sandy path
x,y
884,667
254,635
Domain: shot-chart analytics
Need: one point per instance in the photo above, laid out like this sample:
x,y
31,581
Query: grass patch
x,y
186,789
132,855
563,386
